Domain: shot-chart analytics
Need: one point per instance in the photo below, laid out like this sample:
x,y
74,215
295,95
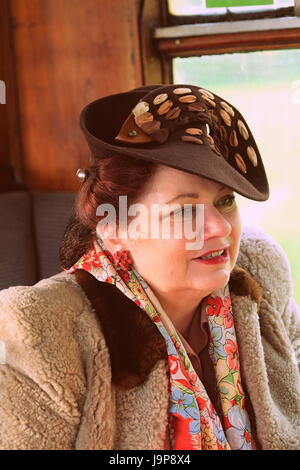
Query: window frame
x,y
196,39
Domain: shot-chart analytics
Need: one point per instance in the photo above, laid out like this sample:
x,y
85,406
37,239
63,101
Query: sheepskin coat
x,y
83,367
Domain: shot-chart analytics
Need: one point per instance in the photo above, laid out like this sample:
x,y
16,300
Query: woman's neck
x,y
176,309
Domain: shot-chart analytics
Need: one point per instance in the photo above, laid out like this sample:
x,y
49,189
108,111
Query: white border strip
x,y
201,29
2,353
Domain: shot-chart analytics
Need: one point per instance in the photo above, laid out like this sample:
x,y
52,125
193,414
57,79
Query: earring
x,y
123,259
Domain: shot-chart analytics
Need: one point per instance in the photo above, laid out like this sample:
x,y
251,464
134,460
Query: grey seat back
x,y
32,224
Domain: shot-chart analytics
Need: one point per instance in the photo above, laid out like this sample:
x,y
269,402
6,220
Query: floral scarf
x,y
193,421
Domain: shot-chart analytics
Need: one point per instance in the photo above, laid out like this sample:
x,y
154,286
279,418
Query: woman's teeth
x,y
212,255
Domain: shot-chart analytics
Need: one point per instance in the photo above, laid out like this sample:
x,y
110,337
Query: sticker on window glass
x,y
2,353
237,3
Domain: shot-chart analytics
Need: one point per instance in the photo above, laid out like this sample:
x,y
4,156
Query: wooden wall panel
x,y
68,53
154,14
11,171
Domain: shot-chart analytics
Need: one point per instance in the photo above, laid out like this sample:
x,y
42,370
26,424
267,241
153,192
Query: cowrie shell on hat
x,y
209,101
210,139
233,140
181,91
240,162
194,131
150,126
226,117
223,132
242,128
164,108
173,113
190,138
160,98
227,108
141,108
196,106
142,118
207,93
188,99
252,155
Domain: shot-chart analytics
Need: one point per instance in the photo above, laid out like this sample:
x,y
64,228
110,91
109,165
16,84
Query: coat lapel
x,y
134,342
246,322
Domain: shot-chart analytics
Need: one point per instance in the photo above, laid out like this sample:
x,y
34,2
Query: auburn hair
x,y
108,178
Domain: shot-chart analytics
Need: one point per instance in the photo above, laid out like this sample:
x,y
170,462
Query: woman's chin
x,y
212,270
215,279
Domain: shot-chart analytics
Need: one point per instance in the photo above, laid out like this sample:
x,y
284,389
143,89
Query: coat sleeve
x,y
42,383
292,320
267,261
286,302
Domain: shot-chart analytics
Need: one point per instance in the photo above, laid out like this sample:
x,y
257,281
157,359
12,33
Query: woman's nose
x,y
215,224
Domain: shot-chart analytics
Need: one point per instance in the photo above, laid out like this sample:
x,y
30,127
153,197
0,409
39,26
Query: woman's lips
x,y
212,251
216,259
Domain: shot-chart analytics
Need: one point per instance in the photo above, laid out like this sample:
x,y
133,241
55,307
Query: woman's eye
x,y
187,211
228,201
176,213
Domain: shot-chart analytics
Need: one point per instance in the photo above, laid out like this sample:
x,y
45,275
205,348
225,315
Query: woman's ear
x,y
109,235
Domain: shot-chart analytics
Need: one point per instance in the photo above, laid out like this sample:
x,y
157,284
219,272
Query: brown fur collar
x,y
134,342
242,283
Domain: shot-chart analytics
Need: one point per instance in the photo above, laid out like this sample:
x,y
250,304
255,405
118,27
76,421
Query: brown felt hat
x,y
182,126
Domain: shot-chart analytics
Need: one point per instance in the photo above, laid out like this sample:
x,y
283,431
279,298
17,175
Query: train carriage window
x,y
219,7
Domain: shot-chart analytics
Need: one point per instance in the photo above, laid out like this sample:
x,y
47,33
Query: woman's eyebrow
x,y
193,194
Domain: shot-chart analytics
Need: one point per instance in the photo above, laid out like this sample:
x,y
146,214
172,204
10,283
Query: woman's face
x,y
166,264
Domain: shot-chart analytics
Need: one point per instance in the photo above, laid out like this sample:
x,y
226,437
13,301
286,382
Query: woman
x,y
141,343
